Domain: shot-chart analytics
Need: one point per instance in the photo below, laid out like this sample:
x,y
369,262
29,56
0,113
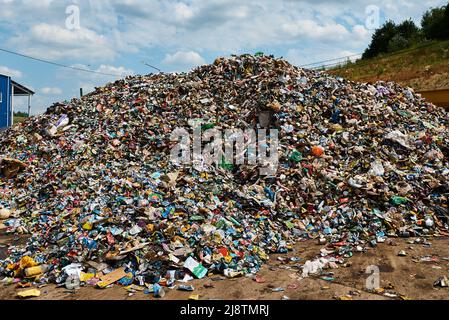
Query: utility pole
x,y
29,105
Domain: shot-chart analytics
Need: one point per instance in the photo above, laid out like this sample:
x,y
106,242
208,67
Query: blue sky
x,y
115,36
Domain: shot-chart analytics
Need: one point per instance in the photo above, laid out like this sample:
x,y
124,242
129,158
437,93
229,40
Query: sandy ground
x,y
406,277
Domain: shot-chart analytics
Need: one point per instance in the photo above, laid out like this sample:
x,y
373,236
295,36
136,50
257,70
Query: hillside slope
x,y
425,67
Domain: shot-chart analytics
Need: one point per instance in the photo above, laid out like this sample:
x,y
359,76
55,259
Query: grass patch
x,y
424,66
19,119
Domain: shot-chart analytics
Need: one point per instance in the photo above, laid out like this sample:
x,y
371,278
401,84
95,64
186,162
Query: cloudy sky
x,y
117,36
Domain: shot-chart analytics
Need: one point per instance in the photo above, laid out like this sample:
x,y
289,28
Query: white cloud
x,y
184,59
103,73
10,72
361,33
118,71
88,81
183,12
51,90
114,27
55,42
312,29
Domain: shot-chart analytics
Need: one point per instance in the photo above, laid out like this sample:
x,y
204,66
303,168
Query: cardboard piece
x,y
111,277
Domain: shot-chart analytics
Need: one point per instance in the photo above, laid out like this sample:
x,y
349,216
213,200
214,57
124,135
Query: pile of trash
x,y
91,185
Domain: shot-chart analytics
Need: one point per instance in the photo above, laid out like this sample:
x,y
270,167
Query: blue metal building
x,y
8,90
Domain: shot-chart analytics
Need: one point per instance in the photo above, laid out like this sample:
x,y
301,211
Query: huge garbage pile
x,y
92,184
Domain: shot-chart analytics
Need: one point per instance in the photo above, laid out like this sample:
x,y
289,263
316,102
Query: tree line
x,y
21,114
393,37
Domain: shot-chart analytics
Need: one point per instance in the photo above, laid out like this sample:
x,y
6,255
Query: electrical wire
x,y
59,64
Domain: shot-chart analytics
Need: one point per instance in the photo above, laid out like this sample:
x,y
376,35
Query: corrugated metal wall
x,y
5,105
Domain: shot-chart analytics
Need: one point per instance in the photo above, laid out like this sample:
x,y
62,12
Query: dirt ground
x,y
425,80
407,277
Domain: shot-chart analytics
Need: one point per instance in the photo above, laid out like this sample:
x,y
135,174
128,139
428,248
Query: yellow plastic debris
x,y
34,271
87,226
84,277
32,293
133,288
27,262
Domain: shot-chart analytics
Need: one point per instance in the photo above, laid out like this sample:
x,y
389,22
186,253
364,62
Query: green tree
x,y
380,40
391,37
435,23
397,43
408,30
21,114
407,35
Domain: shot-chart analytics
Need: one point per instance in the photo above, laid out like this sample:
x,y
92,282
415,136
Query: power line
x,y
59,64
329,60
149,65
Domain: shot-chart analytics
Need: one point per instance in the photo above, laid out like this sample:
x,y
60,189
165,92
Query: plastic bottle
x,y
35,271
